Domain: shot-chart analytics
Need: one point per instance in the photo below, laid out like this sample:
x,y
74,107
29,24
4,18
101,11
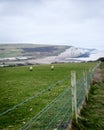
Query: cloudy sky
x,y
72,22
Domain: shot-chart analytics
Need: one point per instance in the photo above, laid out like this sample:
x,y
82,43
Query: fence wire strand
x,y
52,116
57,114
34,96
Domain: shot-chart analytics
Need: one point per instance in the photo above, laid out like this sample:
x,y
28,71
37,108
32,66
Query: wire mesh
x,y
55,116
34,96
80,91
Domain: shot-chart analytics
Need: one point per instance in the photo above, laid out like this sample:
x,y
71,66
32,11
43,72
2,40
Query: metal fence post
x,y
74,98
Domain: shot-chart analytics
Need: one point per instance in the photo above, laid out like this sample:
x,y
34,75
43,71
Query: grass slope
x,y
33,50
93,111
18,84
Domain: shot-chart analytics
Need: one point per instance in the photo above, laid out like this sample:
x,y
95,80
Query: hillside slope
x,y
93,111
30,50
45,54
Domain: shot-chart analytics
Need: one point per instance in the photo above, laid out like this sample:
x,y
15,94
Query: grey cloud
x,y
57,21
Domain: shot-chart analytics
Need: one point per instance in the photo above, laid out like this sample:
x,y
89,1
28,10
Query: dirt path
x,y
92,115
97,78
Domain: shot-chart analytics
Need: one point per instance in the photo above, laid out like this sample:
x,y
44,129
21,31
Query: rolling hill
x,y
23,54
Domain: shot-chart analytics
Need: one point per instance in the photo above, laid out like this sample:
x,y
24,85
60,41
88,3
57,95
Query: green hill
x,y
32,50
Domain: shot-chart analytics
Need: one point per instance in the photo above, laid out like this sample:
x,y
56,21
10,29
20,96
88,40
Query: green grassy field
x,y
18,84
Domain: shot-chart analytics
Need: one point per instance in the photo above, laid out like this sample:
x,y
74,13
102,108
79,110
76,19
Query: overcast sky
x,y
72,22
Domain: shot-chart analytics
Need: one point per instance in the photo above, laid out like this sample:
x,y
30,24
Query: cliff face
x,y
47,54
79,54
